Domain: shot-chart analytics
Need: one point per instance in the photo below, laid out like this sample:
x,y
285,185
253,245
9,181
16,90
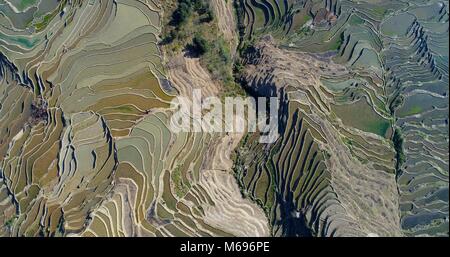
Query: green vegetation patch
x,y
361,116
192,28
337,42
398,140
181,187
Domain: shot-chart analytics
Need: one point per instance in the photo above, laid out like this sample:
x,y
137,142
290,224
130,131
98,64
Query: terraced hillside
x,y
84,127
322,177
87,148
385,100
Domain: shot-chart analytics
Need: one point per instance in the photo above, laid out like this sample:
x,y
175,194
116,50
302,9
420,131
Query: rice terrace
x,y
344,133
